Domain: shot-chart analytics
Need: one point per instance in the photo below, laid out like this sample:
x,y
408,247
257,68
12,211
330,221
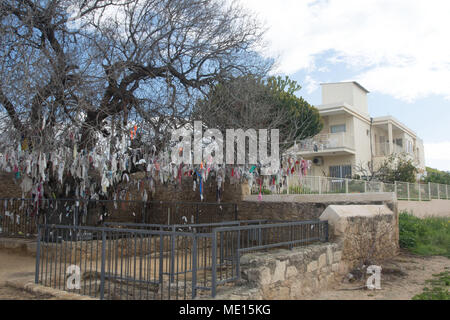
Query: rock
x,y
337,256
329,255
312,266
322,260
291,271
280,269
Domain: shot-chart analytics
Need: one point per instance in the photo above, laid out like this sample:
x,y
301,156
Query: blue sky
x,y
395,49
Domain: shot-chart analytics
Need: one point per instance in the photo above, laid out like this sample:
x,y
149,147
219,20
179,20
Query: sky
x,y
399,50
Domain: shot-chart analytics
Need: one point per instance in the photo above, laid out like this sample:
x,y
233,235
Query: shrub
x,y
429,236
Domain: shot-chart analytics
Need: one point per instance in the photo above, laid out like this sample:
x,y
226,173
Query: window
x,y
337,128
409,146
398,142
344,171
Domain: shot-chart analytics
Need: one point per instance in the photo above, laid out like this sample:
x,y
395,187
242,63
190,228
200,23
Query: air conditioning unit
x,y
318,161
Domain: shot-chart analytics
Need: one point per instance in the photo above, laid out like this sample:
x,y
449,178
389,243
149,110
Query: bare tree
x,y
69,66
254,103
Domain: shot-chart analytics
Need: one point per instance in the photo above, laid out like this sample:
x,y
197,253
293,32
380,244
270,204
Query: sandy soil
x,y
401,279
17,266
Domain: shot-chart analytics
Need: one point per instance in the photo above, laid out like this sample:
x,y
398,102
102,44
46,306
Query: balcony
x,y
326,144
382,150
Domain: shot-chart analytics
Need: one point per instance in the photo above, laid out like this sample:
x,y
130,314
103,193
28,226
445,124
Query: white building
x,y
350,138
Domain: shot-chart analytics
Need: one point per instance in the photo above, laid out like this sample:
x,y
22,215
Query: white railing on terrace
x,y
327,185
324,142
382,150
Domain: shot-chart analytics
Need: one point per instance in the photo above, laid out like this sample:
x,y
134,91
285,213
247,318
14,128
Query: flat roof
x,y
354,82
386,119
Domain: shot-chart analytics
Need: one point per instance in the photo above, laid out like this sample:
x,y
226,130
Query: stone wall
x,y
288,274
368,233
359,235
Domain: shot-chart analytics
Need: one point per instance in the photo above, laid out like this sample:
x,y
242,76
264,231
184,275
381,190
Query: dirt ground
x,y
12,266
401,278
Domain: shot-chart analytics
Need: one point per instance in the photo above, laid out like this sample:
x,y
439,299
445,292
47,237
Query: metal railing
x,y
146,264
327,185
20,217
232,242
323,142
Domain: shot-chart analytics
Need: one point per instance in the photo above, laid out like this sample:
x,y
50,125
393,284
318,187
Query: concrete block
x,y
337,215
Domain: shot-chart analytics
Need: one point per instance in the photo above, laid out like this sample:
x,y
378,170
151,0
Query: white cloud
x,y
311,84
438,155
399,48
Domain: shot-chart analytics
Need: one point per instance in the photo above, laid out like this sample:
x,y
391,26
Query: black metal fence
x,y
20,217
150,261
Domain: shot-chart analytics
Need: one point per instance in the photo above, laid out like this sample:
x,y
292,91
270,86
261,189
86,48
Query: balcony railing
x,y
382,150
324,142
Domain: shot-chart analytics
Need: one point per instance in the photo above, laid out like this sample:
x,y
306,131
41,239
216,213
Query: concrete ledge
x,y
318,198
29,286
18,245
337,216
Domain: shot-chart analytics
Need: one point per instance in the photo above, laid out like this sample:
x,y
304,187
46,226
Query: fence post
x,y
407,188
439,190
320,185
235,212
365,186
446,190
194,266
429,190
172,255
395,189
102,272
238,260
287,183
214,267
75,218
420,191
346,186
38,255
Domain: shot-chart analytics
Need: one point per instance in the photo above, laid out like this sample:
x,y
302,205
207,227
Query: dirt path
x,y
401,279
17,266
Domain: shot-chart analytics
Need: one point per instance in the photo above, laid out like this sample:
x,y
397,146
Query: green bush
x,y
429,236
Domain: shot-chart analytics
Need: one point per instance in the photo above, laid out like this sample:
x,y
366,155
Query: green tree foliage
x,y
251,102
398,168
437,176
298,108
